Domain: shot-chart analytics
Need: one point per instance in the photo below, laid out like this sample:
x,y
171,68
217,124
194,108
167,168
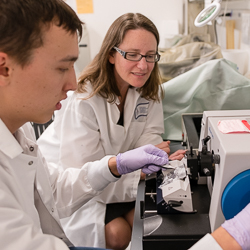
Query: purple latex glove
x,y
146,158
239,227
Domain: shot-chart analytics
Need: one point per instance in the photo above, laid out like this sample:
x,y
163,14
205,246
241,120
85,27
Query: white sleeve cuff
x,y
206,243
99,174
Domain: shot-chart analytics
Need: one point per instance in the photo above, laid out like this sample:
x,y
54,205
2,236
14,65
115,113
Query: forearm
x,y
74,187
225,240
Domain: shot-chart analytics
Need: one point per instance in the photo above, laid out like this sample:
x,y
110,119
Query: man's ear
x,y
4,69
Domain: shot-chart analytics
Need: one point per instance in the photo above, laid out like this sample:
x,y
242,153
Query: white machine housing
x,y
179,190
234,151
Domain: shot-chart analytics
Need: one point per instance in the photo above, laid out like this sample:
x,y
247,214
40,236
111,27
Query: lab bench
x,y
176,231
168,231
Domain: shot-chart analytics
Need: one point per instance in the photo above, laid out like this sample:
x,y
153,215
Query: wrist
x,y
113,167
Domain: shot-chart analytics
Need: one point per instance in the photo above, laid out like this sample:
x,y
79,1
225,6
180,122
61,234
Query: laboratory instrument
x,y
215,188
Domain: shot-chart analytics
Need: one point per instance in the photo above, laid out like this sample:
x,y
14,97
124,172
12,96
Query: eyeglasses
x,y
133,56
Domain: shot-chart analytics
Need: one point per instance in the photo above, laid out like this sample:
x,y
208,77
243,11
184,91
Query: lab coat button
x,y
52,210
31,148
30,163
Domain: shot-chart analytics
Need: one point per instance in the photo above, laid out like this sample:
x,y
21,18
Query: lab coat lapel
x,y
129,107
44,189
117,133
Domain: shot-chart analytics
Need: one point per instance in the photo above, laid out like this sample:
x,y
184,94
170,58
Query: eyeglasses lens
x,y
137,57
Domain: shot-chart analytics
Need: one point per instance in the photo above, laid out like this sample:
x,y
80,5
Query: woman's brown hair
x,y
100,71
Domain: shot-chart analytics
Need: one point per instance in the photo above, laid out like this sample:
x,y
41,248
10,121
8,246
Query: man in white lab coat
x,y
38,47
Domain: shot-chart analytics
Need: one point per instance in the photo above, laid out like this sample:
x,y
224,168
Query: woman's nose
x,y
142,64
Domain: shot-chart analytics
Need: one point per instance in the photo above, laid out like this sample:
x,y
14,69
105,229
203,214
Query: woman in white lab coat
x,y
117,107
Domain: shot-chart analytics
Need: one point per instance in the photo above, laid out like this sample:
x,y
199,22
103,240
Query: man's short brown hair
x,y
22,24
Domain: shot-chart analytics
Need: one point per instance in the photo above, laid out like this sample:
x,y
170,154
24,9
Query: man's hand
x,y
148,158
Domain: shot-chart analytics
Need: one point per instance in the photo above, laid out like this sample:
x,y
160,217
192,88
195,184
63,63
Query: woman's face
x,y
130,73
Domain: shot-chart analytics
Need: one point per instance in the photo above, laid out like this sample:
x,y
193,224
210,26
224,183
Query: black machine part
x,y
201,163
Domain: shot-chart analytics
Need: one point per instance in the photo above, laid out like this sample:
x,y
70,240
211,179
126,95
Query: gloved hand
x,y
239,227
146,157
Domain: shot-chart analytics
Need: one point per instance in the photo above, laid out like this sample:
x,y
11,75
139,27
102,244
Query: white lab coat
x,y
87,130
34,195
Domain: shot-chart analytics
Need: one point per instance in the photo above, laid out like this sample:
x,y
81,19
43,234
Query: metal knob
x,y
206,171
216,159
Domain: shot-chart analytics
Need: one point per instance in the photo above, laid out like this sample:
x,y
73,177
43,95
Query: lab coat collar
x,y
130,89
8,143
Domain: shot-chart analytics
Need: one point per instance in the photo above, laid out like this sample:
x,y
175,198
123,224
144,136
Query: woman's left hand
x,y
164,146
178,155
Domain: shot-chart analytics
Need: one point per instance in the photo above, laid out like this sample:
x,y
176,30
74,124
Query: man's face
x,y
37,89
